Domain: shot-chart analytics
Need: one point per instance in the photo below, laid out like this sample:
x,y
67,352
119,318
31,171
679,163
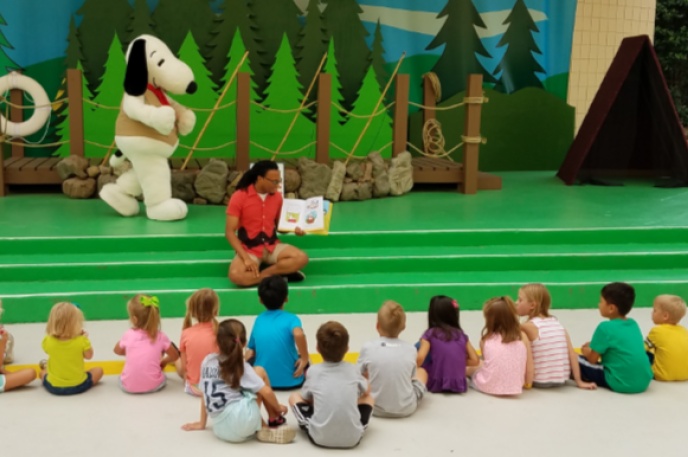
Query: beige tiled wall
x,y
600,27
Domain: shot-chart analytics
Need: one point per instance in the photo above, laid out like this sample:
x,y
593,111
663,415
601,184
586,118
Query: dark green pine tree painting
x,y
379,63
274,19
141,21
311,49
175,18
73,58
462,43
343,23
100,21
6,64
518,66
235,15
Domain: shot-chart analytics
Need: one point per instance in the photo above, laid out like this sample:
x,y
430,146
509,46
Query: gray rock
x,y
315,178
79,188
211,182
123,168
104,170
354,171
72,166
337,181
292,180
231,187
367,172
401,174
93,171
349,191
200,201
105,179
365,191
183,185
381,186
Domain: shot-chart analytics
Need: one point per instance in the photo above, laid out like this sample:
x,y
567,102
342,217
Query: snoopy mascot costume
x,y
147,130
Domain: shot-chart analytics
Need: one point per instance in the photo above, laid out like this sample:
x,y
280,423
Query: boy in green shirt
x,y
625,367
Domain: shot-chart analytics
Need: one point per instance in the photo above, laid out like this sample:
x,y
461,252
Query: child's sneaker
x,y
9,350
282,435
42,364
275,423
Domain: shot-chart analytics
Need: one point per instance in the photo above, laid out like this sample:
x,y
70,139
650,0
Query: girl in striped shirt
x,y
553,354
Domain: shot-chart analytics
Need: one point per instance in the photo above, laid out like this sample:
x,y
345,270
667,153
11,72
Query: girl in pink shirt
x,y
198,340
507,359
144,346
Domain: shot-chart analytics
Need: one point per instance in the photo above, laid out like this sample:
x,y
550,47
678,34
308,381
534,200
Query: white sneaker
x,y
281,435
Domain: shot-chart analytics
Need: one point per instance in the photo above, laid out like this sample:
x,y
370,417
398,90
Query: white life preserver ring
x,y
40,115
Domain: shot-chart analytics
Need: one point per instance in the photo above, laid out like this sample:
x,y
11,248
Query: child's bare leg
x,y
367,399
19,378
42,374
181,370
470,371
96,374
272,413
297,398
422,375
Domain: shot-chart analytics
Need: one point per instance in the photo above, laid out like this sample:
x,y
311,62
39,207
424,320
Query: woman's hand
x,y
193,426
299,232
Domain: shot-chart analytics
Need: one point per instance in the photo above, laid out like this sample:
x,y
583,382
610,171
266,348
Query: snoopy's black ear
x,y
136,79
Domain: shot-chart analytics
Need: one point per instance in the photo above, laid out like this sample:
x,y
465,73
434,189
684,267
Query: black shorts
x,y
304,413
72,390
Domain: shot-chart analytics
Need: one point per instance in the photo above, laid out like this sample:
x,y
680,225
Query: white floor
x,y
563,422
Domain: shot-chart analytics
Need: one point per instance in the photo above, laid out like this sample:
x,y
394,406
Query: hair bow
x,y
456,305
150,301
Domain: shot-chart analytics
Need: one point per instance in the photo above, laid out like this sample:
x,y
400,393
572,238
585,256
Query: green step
x,y
187,264
106,299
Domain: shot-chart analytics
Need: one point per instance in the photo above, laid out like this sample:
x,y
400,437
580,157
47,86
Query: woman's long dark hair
x,y
260,169
443,317
231,337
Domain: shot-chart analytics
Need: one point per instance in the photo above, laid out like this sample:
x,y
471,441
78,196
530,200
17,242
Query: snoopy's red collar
x,y
160,94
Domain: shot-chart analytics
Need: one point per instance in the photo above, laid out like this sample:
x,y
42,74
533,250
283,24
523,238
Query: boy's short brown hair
x,y
391,318
673,305
333,341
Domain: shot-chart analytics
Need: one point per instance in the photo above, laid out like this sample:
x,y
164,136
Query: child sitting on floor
x,y
507,359
668,340
11,380
67,345
625,367
198,340
233,392
553,355
143,347
277,340
390,365
335,405
445,351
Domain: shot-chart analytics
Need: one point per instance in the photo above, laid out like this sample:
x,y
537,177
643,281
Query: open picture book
x,y
312,215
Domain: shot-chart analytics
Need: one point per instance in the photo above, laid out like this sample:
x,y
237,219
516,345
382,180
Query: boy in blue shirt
x,y
277,340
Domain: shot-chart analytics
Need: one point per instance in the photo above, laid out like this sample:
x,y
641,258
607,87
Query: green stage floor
x,y
574,239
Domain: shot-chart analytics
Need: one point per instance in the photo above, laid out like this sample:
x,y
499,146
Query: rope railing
x,y
260,146
4,100
466,100
284,111
361,116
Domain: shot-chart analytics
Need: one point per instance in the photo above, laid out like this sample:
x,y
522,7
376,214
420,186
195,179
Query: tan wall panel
x,y
600,27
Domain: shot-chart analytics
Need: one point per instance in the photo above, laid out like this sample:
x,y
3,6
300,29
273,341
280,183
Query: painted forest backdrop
x,y
522,48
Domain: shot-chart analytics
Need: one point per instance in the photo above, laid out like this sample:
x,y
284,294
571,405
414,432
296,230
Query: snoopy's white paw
x,y
164,120
169,210
187,122
119,200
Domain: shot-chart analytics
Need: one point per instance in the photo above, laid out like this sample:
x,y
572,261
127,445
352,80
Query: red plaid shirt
x,y
257,219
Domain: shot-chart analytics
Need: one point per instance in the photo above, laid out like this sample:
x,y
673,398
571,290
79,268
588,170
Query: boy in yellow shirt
x,y
669,341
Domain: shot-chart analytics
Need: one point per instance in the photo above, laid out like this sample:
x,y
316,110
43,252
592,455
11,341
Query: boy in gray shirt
x,y
390,365
335,405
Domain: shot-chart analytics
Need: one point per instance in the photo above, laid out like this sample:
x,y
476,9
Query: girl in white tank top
x,y
553,355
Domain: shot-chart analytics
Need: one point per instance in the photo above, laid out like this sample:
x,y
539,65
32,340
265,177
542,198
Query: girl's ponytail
x,y
144,312
231,337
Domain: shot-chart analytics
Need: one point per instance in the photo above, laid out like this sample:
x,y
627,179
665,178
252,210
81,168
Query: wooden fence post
x,y
322,137
17,116
472,130
429,99
76,111
243,121
3,187
401,104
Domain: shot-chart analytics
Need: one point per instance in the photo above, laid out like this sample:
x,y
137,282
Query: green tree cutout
x,y
236,16
205,97
102,130
462,43
343,22
90,120
175,18
73,58
380,131
225,119
6,64
101,20
378,56
141,21
311,48
337,118
518,66
283,92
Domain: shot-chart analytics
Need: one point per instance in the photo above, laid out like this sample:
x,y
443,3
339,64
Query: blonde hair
x,y
501,319
673,305
204,306
147,317
391,318
538,294
65,321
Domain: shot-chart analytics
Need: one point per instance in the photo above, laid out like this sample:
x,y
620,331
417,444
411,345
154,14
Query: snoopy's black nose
x,y
192,87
